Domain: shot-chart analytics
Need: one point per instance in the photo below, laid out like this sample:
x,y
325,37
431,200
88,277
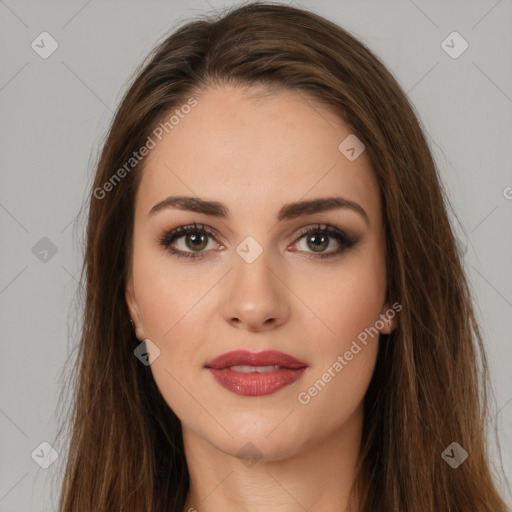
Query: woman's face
x,y
253,280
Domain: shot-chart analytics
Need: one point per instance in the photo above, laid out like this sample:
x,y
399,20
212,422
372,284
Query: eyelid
x,y
330,229
344,239
172,234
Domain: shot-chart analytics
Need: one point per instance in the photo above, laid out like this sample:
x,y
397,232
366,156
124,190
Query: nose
x,y
257,298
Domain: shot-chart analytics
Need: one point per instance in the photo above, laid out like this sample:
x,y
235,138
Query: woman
x,y
276,316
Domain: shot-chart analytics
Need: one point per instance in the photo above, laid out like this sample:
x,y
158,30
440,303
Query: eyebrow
x,y
287,212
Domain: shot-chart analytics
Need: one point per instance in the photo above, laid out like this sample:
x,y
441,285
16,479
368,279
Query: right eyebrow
x,y
287,212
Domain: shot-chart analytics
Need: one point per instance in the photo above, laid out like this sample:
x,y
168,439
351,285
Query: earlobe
x,y
133,309
129,296
388,320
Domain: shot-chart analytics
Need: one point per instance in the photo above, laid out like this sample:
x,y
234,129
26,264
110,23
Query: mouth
x,y
241,368
255,374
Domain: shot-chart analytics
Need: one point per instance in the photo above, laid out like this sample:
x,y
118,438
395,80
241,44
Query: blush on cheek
x,y
343,315
163,299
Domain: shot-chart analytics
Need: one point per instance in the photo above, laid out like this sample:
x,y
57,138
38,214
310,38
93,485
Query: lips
x,y
255,374
246,358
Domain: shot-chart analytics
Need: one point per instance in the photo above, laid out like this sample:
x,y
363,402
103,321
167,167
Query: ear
x,y
389,316
133,308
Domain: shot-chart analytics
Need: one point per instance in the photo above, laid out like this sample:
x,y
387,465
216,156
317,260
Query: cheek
x,y
172,313
344,299
166,292
336,392
173,303
348,302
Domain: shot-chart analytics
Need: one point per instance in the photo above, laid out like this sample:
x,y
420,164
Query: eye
x,y
318,238
194,237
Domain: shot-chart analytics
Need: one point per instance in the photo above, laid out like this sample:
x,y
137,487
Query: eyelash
x,y
341,237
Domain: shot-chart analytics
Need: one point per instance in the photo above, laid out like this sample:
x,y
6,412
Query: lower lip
x,y
256,384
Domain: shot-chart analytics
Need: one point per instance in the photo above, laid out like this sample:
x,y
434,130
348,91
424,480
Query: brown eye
x,y
195,240
318,239
318,242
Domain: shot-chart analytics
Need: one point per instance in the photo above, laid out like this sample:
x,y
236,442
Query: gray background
x,y
55,112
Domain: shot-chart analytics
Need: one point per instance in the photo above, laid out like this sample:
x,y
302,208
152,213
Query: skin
x,y
254,155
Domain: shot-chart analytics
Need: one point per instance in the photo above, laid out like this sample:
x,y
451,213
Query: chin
x,y
253,448
260,440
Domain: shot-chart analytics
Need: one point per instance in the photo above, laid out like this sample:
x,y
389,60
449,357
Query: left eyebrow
x,y
287,212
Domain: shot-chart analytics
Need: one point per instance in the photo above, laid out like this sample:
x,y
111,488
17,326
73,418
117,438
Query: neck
x,y
317,476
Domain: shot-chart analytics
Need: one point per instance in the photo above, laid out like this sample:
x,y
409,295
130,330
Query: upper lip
x,y
265,358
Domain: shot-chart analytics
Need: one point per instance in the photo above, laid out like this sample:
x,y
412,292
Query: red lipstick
x,y
255,374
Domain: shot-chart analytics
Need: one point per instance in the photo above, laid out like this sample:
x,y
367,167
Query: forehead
x,y
255,151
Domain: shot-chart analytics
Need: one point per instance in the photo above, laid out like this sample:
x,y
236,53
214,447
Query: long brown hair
x,y
429,385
